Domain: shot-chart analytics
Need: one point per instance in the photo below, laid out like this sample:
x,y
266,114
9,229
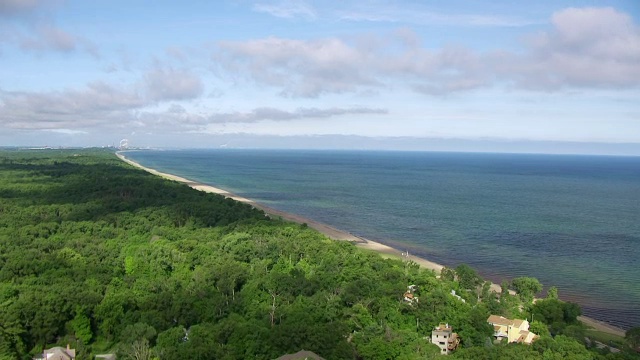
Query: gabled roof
x,y
59,353
499,320
526,337
523,336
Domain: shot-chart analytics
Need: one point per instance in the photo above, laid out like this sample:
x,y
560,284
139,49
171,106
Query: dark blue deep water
x,y
570,221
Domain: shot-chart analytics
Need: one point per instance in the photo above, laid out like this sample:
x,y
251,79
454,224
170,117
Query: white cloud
x,y
440,72
171,84
30,27
394,12
18,7
385,11
174,119
587,47
97,107
273,114
98,104
312,68
286,9
580,48
69,131
300,68
177,119
102,107
49,37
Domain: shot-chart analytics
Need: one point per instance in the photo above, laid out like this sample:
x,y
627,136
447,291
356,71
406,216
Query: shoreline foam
x,y
338,234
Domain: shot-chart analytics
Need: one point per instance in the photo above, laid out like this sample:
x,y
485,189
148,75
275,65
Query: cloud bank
x,y
580,49
20,7
103,106
28,25
585,48
273,114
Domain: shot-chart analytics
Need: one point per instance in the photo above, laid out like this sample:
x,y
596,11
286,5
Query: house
x,y
443,336
513,330
58,353
409,296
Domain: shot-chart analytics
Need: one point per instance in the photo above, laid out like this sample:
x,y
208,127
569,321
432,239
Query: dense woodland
x,y
108,258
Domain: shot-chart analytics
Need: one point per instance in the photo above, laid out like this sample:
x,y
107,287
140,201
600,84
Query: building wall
x,y
441,339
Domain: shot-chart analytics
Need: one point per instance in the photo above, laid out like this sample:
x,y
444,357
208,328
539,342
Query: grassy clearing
x,y
605,338
381,254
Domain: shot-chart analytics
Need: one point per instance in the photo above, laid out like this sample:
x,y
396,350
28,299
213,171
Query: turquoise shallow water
x,y
571,221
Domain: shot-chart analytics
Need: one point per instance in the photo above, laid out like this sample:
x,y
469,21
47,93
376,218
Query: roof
x,y
453,341
59,353
527,337
443,327
523,336
517,322
301,355
499,320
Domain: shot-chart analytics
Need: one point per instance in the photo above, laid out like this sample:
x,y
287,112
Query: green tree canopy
x,y
526,287
96,252
632,336
467,277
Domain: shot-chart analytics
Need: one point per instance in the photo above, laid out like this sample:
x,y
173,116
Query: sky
x,y
545,76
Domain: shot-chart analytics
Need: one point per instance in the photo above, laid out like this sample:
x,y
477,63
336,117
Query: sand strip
x,y
337,234
601,326
325,229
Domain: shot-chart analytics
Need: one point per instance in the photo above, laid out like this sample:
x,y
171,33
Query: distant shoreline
x,y
338,234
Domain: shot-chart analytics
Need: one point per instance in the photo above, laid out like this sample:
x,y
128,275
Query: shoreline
x,y
337,234
329,231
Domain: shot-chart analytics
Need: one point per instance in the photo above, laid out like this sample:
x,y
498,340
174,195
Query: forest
x,y
107,258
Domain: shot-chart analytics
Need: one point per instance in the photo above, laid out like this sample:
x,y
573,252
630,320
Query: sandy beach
x,y
337,234
325,229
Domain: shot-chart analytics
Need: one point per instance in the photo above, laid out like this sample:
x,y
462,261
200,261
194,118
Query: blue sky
x,y
307,73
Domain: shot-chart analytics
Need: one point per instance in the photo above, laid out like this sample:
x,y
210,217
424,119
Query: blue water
x,y
571,221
